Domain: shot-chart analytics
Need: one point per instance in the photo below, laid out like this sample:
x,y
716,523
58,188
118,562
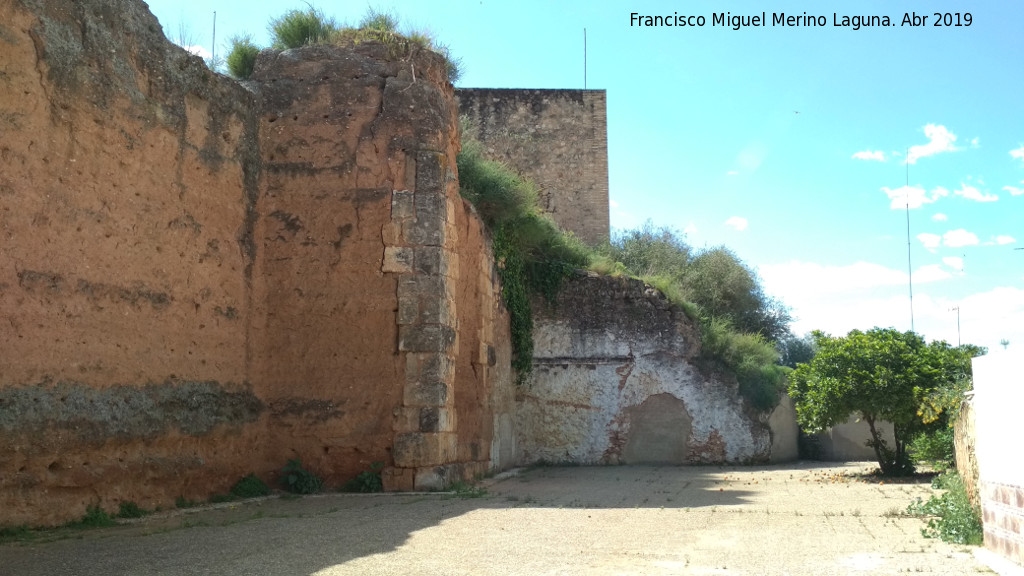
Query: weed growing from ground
x,y
95,517
366,481
250,487
934,448
131,510
16,534
468,490
951,517
298,480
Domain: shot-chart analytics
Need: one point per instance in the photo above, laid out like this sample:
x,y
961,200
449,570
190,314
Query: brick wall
x,y
1002,507
557,138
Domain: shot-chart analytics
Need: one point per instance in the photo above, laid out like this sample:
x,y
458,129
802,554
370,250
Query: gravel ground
x,y
798,519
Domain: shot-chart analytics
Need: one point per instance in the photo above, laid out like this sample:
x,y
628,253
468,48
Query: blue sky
x,y
786,144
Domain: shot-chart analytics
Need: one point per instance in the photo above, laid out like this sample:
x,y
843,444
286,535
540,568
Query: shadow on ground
x,y
312,534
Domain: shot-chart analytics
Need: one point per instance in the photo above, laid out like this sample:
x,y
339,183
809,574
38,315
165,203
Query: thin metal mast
x,y
584,58
910,269
213,47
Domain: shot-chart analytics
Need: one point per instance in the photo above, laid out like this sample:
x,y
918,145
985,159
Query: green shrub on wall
x,y
298,28
739,323
532,254
535,257
242,57
751,357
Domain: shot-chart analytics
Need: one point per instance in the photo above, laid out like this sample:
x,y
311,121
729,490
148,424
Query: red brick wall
x,y
1002,507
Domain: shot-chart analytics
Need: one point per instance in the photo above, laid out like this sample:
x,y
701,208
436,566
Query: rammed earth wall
x,y
200,279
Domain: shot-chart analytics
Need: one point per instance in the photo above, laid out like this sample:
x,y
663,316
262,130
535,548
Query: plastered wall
x,y
615,381
998,395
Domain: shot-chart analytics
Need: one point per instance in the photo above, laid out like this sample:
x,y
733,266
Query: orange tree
x,y
882,375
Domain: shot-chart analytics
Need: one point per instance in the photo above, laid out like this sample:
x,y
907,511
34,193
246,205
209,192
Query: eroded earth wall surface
x,y
126,173
200,280
375,294
615,381
558,139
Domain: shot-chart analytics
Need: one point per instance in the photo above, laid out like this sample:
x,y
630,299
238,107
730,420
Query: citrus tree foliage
x,y
941,405
882,374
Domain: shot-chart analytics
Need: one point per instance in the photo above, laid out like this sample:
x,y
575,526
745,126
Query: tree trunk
x,y
876,442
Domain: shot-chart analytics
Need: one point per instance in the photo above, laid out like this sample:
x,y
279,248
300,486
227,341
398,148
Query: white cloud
x,y
876,155
1014,191
930,273
1018,153
812,278
624,220
1002,240
837,299
930,241
939,140
915,196
972,193
613,203
975,143
954,262
737,222
940,217
959,237
198,51
690,229
732,173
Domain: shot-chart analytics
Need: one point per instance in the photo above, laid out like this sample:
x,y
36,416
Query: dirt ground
x,y
783,520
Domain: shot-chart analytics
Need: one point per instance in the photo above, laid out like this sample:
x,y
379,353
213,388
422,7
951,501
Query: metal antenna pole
x,y
213,48
958,326
584,58
910,269
957,310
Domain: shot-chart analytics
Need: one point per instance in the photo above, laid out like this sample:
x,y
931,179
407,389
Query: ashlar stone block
x,y
426,338
403,205
416,449
398,260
